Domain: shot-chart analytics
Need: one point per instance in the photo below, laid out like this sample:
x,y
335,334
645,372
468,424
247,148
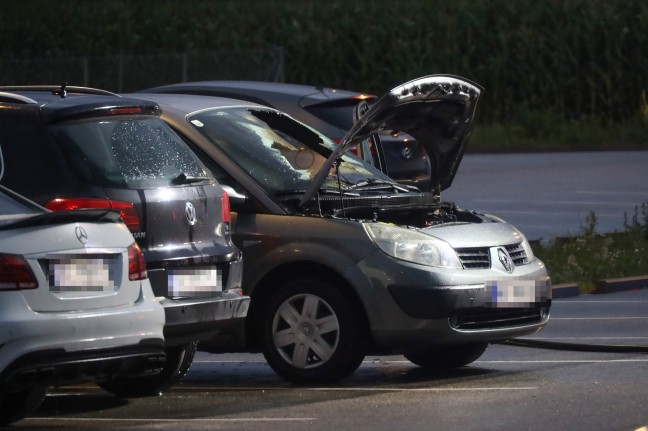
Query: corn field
x,y
569,60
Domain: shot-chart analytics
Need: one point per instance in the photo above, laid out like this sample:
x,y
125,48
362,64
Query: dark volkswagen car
x,y
329,111
68,148
341,260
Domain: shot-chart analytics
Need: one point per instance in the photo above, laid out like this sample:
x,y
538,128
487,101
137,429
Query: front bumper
x,y
410,305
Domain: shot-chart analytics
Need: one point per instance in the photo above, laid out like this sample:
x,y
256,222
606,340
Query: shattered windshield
x,y
281,154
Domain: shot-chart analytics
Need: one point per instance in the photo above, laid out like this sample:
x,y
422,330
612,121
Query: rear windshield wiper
x,y
185,179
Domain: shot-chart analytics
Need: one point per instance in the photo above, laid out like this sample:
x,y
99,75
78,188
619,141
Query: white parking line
x,y
586,338
564,361
596,301
614,193
363,389
562,202
214,361
600,318
184,420
551,361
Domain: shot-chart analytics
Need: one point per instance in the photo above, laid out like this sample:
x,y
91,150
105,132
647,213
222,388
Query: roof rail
x,y
56,89
15,98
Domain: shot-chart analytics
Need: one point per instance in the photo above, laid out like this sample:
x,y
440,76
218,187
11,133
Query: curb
x,y
564,290
618,284
609,285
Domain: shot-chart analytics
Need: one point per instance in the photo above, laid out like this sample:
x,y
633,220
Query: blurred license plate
x,y
194,281
513,293
85,273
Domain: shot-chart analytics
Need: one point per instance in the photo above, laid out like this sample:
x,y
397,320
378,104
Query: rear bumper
x,y
202,318
197,318
58,367
25,332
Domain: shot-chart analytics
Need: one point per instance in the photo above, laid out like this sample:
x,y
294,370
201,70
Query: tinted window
x,y
126,153
340,115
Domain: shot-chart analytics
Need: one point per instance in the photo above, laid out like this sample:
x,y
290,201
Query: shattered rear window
x,y
129,153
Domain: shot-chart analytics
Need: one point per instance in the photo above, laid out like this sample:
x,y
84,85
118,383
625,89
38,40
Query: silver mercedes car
x,y
341,260
76,303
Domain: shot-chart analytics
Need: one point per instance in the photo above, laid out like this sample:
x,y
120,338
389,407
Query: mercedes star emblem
x,y
81,234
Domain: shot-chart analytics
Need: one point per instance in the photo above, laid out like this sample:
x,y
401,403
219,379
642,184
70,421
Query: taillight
x,y
15,273
126,209
136,263
225,208
128,214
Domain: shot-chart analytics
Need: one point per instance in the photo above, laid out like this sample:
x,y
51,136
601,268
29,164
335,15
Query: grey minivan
x,y
342,261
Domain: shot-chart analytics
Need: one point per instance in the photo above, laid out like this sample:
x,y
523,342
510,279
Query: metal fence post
x,y
185,66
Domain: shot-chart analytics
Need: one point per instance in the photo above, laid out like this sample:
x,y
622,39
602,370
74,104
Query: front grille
x,y
518,254
479,257
490,318
474,257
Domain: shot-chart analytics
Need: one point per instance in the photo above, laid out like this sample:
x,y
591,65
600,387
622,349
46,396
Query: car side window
x,y
251,205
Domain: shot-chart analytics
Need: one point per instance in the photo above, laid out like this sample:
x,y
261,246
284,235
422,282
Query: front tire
x,y
447,356
178,361
312,333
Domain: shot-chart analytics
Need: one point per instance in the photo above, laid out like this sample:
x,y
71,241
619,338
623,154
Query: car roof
x,y
73,102
261,90
190,103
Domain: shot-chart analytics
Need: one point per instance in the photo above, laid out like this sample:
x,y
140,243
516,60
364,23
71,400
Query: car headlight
x,y
412,246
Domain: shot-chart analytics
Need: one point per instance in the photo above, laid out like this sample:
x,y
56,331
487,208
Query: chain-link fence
x,y
125,73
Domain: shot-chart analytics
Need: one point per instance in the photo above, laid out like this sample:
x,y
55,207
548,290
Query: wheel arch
x,y
273,280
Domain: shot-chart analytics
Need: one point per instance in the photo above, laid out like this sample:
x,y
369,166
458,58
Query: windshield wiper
x,y
322,191
374,184
290,192
185,179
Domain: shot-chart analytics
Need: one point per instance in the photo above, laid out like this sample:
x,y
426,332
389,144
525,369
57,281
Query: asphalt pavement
x,y
508,388
548,195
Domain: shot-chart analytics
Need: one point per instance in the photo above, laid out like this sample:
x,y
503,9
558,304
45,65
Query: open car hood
x,y
437,110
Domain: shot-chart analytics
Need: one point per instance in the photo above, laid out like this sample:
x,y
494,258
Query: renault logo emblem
x,y
505,260
81,234
190,214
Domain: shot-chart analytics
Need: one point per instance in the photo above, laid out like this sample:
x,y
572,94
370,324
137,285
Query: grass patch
x,y
543,131
590,256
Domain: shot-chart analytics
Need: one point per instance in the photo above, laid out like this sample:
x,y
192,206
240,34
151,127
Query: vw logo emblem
x,y
505,260
406,153
81,234
190,214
